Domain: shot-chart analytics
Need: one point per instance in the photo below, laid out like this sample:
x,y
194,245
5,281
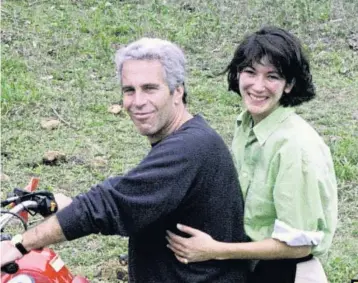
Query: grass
x,y
57,60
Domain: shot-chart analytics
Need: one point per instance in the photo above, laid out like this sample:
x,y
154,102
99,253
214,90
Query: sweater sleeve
x,y
126,204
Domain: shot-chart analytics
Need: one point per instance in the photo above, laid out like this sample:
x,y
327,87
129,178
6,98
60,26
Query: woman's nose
x,y
259,84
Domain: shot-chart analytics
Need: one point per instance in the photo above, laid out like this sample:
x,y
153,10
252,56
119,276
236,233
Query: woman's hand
x,y
199,247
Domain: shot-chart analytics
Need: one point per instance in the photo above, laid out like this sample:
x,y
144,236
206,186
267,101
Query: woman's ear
x,y
289,86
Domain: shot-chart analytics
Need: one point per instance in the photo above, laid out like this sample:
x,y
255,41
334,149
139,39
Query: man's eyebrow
x,y
127,88
150,86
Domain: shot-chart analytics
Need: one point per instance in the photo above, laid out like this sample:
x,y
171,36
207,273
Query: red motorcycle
x,y
42,265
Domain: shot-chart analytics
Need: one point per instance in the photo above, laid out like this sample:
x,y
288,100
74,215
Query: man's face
x,y
147,98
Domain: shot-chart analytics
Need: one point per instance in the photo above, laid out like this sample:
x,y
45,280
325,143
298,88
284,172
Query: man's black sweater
x,y
189,178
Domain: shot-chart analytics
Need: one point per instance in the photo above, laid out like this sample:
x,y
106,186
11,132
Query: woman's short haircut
x,y
284,51
170,56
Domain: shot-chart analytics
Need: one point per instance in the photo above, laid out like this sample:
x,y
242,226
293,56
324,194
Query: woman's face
x,y
261,88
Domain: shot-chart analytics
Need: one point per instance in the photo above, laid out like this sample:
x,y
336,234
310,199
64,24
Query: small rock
x,y
115,109
53,157
123,259
4,177
50,124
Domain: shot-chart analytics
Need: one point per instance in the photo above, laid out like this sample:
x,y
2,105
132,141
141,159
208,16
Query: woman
x,y
285,169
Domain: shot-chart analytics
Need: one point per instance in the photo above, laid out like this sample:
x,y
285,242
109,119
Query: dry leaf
x,y
4,177
115,108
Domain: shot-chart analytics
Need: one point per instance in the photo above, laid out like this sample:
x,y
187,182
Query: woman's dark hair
x,y
282,50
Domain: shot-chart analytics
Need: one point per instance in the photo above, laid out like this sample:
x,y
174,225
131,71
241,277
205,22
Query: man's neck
x,y
182,117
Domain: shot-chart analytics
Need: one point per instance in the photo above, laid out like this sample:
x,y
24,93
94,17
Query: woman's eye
x,y
248,71
274,77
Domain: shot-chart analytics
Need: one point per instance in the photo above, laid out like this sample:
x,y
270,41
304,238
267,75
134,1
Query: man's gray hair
x,y
169,55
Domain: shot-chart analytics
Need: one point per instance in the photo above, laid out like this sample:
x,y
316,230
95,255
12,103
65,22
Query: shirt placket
x,y
248,164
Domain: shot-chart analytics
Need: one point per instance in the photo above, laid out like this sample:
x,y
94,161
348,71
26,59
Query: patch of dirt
x,y
111,271
78,160
353,41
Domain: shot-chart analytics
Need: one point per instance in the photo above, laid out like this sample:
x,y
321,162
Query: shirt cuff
x,y
294,237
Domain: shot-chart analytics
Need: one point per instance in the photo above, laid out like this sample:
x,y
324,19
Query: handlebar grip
x,y
10,268
47,206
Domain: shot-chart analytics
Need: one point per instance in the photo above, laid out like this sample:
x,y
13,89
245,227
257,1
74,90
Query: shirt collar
x,y
268,125
244,118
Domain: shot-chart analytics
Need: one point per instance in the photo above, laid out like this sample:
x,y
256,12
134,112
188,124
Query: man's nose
x,y
140,99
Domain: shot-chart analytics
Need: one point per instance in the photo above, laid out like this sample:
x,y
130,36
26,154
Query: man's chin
x,y
145,132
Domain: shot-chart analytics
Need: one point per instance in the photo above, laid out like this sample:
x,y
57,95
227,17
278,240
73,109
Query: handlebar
x,y
24,201
28,204
42,202
13,267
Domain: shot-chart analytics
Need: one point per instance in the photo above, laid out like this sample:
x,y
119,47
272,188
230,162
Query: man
x,y
187,177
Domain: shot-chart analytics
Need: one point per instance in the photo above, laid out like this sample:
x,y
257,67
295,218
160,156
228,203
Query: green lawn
x,y
57,62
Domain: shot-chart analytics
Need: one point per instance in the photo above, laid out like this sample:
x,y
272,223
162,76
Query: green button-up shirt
x,y
286,173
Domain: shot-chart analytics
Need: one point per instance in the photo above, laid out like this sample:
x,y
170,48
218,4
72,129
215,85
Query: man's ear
x,y
289,86
178,94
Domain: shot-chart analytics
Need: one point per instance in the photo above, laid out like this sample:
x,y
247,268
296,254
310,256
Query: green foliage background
x,y
57,57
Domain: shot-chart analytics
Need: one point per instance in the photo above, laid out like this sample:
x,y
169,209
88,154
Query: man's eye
x,y
150,88
128,91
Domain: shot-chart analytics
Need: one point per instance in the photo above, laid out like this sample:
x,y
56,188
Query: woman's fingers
x,y
176,239
175,236
198,247
188,230
182,259
175,247
176,251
